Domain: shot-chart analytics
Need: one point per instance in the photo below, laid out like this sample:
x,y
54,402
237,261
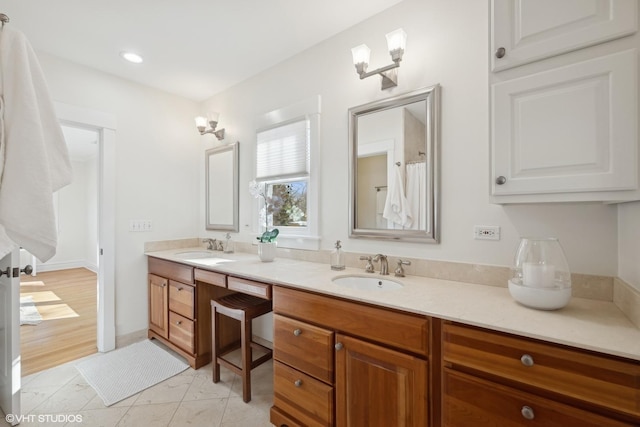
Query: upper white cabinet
x,y
569,133
523,31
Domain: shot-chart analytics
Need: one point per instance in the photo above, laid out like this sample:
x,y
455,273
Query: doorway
x,y
64,289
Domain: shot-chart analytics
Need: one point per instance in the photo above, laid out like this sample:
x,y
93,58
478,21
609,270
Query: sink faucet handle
x,y
210,243
369,267
399,269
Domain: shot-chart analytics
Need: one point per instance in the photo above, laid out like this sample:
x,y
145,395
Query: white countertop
x,y
588,324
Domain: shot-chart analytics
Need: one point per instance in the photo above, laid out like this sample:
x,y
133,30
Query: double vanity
x,y
352,348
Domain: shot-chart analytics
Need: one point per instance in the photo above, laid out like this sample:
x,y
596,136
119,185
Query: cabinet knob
x,y
164,285
179,289
179,322
501,180
501,52
297,332
527,413
526,360
297,383
338,346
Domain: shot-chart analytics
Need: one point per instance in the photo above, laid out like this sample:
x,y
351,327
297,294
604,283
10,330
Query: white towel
x,y
395,208
417,195
36,159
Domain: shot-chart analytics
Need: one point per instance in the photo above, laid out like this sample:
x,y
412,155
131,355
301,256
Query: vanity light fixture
x,y
396,42
212,119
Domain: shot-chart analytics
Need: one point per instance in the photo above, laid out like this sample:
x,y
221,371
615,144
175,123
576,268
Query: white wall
x,y
629,243
447,44
157,157
74,210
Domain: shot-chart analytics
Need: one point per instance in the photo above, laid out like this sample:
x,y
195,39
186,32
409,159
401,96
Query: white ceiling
x,y
192,48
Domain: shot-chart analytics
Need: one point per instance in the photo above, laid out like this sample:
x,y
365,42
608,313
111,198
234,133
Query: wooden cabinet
x,y
529,30
179,310
376,386
494,379
343,363
159,305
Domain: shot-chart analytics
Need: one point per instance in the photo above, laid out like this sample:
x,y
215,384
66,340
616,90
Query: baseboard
x,y
67,265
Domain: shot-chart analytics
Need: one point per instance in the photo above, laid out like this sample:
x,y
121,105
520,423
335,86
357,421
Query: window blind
x,y
283,151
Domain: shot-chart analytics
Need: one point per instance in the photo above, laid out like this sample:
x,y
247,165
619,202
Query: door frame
x,y
105,125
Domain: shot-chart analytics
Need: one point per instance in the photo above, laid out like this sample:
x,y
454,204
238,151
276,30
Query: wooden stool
x,y
243,308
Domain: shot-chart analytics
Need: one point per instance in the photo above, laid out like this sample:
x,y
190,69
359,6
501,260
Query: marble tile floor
x,y
60,396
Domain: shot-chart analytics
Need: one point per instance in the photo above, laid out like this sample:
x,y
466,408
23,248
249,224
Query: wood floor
x,y
67,302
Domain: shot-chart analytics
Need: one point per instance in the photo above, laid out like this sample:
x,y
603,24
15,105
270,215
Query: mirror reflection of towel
x,y
396,209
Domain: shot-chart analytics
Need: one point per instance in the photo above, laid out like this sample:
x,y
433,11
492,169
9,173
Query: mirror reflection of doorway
x,y
64,289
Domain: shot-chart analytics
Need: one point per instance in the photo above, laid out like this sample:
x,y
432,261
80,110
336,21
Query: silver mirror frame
x,y
431,96
236,162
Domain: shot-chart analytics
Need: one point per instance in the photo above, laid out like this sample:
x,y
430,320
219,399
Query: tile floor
x,y
187,399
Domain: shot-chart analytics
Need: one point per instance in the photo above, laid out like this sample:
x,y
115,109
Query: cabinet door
x,y
529,30
570,129
376,386
158,305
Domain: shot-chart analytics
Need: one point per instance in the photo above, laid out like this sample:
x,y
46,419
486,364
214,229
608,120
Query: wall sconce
x,y
396,41
212,119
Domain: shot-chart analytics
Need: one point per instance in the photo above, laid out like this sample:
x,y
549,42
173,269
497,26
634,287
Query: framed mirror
x,y
394,167
221,170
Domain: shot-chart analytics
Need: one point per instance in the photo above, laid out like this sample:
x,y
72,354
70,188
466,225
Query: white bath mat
x,y
29,314
124,372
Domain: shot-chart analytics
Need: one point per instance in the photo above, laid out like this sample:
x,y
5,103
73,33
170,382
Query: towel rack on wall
x,y
4,19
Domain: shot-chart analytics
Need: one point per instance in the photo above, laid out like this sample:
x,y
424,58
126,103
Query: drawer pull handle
x,y
164,285
297,332
179,289
526,360
527,413
297,383
179,322
501,180
338,346
501,52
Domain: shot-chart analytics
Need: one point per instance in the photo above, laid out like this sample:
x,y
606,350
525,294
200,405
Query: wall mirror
x,y
221,170
394,176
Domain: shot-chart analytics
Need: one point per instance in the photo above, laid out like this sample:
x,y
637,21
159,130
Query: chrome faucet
x,y
211,243
384,265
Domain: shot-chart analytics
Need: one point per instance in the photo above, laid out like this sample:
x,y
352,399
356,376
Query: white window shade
x,y
283,151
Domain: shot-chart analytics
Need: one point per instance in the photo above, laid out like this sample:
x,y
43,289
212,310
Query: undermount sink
x,y
194,254
367,283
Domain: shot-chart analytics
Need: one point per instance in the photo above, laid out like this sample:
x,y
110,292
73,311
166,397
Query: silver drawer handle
x,y
501,52
297,332
338,346
527,413
297,383
526,360
501,180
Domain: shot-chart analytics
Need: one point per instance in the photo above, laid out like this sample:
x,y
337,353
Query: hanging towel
x,y
416,194
395,207
36,160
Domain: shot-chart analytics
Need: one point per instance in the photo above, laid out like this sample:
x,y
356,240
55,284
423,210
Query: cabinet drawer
x,y
250,287
473,402
303,346
171,270
597,379
280,419
181,332
181,299
401,330
302,397
210,277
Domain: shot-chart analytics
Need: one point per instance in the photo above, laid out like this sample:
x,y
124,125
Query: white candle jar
x,y
540,276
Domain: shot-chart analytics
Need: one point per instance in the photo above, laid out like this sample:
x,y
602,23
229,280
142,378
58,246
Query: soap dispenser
x,y
337,257
228,244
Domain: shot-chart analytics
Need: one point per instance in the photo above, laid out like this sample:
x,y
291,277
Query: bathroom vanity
x,y
432,353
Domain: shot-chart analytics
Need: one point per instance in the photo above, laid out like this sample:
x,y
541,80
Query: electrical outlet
x,y
140,225
486,232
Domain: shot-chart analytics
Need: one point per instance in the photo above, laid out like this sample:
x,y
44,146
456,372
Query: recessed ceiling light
x,y
131,57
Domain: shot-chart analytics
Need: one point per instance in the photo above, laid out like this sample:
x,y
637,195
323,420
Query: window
x,y
286,172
